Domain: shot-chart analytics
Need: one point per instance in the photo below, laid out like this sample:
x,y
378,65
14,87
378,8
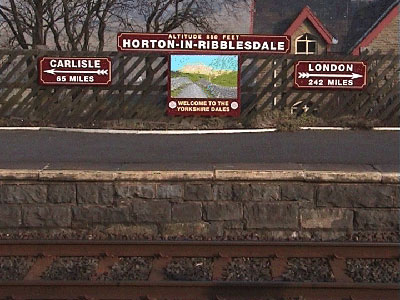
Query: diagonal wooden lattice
x,y
272,88
132,88
139,89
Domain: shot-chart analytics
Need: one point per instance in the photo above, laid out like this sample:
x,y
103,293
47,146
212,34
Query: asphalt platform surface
x,y
371,150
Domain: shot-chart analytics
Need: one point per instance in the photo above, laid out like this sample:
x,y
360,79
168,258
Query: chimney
x,y
252,13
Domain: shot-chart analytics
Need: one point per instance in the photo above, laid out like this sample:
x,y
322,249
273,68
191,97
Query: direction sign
x,y
75,71
330,75
193,42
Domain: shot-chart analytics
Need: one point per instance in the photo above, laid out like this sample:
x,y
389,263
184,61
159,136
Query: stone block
x,y
46,216
271,216
134,191
223,192
23,193
228,225
219,211
242,192
384,219
326,218
328,235
198,192
169,191
132,231
186,229
186,212
266,192
152,211
216,229
298,192
396,201
95,193
84,216
61,193
356,195
10,216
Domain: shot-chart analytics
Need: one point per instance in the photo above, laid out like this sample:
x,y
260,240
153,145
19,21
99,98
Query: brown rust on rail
x,y
199,290
200,249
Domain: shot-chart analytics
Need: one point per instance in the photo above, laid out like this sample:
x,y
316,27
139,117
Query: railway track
x,y
43,262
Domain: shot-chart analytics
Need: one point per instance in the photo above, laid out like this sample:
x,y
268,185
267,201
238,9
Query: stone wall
x,y
262,207
387,39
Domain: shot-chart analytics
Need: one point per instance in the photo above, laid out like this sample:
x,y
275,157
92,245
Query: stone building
x,y
334,26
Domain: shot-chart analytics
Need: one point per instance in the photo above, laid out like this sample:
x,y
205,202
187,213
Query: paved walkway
x,y
305,149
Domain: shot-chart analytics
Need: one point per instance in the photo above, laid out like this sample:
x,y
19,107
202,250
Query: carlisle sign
x,y
75,71
221,43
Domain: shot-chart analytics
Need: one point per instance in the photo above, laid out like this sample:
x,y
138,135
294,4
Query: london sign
x,y
330,75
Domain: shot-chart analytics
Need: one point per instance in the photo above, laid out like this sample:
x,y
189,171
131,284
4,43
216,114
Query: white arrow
x,y
308,75
98,72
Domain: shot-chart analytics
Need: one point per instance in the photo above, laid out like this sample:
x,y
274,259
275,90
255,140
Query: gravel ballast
x,y
72,268
374,270
14,267
308,270
129,269
189,269
248,269
81,234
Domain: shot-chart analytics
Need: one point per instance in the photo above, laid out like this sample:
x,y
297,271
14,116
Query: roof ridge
x,y
323,26
374,25
308,13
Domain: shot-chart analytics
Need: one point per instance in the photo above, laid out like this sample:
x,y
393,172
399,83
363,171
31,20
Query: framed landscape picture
x,y
204,85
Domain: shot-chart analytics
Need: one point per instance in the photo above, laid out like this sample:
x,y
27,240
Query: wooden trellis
x,y
139,89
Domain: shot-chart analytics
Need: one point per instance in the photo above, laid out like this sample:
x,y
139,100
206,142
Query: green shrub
x,y
227,79
282,120
353,122
192,76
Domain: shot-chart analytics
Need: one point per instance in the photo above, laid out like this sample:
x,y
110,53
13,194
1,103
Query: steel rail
x,y
156,287
199,248
197,290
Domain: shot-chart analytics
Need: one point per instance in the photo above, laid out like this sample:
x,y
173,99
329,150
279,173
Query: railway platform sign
x,y
330,75
94,71
199,42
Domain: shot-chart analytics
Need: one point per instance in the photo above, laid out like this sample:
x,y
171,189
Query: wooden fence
x,y
274,89
138,92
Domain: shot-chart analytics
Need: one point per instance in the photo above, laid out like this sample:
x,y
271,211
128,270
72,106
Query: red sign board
x,y
199,42
75,71
330,75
